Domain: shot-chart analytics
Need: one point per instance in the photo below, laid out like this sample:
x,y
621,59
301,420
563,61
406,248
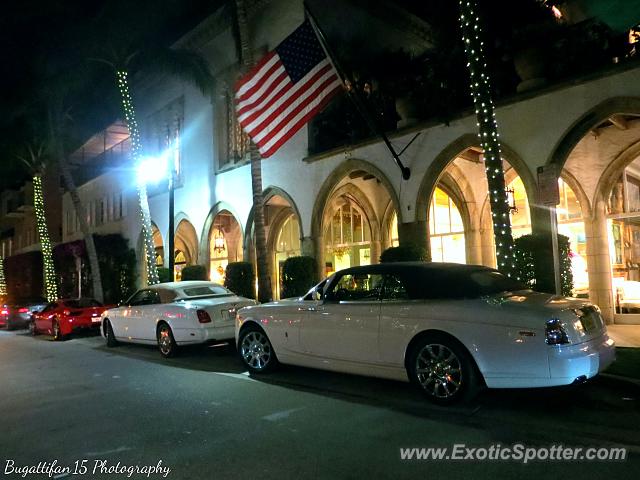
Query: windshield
x,y
203,290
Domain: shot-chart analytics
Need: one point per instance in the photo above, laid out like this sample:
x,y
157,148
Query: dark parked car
x,y
18,314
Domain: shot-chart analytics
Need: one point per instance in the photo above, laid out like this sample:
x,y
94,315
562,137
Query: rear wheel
x,y
256,351
166,343
108,334
443,369
58,336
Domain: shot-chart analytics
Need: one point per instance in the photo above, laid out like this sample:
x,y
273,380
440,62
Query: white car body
x,y
178,307
504,333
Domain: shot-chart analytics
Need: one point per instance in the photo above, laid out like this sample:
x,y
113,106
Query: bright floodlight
x,y
153,169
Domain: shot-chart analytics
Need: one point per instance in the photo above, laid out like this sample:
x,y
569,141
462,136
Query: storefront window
x,y
624,240
180,261
219,256
446,229
393,235
287,245
349,233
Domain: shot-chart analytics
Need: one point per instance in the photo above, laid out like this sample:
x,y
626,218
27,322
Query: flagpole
x,y
354,95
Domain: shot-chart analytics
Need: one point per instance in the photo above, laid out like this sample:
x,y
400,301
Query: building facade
x,y
346,205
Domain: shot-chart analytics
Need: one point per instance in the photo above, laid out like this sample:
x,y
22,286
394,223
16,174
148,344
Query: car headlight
x,y
555,333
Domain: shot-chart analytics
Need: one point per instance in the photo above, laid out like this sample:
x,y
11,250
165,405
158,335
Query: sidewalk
x,y
625,335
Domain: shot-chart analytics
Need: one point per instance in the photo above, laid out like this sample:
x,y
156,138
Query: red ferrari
x,y
62,317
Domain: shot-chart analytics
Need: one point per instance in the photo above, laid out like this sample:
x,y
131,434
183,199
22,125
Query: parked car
x,y
174,314
448,328
63,317
18,314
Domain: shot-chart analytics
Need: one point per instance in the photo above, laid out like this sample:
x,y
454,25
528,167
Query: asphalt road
x,y
202,416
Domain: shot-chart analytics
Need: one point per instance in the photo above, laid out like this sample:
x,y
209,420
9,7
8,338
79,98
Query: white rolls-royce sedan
x,y
174,314
448,328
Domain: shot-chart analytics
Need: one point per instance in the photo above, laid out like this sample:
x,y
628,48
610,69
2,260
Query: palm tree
x,y
488,133
262,257
36,161
56,119
183,64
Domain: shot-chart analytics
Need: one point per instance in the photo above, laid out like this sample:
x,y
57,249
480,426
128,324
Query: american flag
x,y
285,90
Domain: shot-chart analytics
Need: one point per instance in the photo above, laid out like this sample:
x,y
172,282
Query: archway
x,y
224,244
356,216
158,245
600,155
283,230
186,247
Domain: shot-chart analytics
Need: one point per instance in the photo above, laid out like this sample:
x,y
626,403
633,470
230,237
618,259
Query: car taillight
x,y
4,311
203,316
23,310
555,333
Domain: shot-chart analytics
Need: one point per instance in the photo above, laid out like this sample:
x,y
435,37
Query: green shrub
x,y
403,253
299,274
164,274
534,262
194,272
240,280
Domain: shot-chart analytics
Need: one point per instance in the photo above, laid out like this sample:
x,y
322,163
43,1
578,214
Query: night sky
x,y
42,38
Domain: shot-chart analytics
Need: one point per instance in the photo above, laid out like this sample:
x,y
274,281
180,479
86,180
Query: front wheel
x,y
108,334
443,369
256,351
58,336
166,343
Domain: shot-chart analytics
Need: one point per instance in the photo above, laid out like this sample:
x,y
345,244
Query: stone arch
x,y
582,126
579,192
267,194
186,238
208,223
612,172
363,202
452,151
340,172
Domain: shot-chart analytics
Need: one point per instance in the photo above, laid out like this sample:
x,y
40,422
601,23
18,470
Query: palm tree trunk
x,y
50,280
136,150
94,265
262,255
488,133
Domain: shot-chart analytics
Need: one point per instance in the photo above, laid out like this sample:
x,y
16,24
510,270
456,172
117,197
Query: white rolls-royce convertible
x,y
174,314
448,328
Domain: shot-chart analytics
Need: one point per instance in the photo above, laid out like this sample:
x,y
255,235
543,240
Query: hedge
x,y
240,280
403,253
299,274
194,272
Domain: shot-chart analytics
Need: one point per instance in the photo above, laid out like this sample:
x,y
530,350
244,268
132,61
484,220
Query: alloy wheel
x,y
165,342
256,350
439,371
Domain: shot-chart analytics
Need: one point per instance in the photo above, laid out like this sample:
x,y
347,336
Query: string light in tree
x,y
488,133
136,150
3,283
50,281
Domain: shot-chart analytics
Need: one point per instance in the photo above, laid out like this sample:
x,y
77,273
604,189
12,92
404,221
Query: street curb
x,y
620,380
